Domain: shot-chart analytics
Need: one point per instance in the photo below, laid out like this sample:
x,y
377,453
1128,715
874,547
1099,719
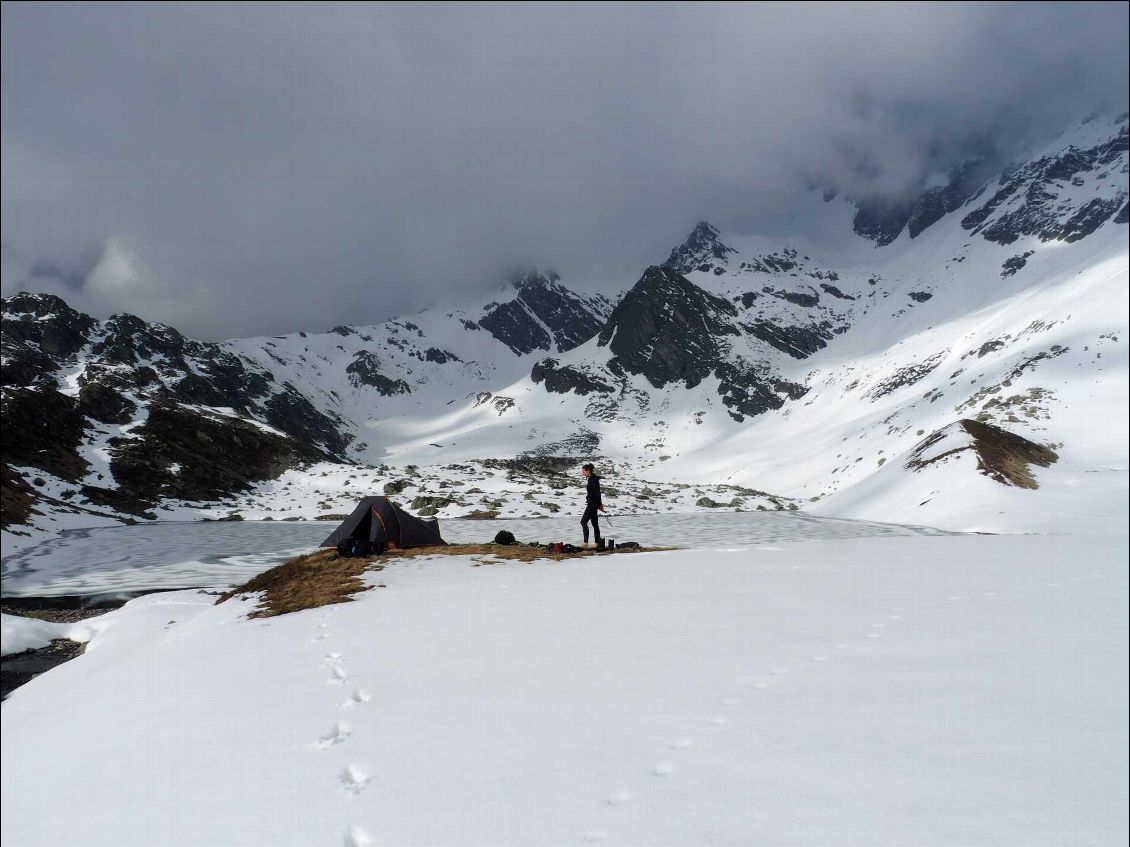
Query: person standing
x,y
593,503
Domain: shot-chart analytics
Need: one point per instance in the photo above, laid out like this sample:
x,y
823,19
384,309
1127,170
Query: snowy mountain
x,y
940,361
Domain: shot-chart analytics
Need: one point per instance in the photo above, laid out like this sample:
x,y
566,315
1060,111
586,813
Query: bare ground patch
x,y
323,578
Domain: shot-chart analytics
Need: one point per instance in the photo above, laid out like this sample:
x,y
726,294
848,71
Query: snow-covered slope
x,y
881,691
819,364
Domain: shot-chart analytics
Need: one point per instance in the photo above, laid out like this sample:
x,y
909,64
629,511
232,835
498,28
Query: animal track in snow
x,y
338,675
820,658
729,701
718,720
354,779
662,769
779,671
760,686
618,798
338,734
842,646
356,699
357,837
681,743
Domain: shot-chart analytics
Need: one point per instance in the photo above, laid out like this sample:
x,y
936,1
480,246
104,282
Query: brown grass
x,y
305,582
324,578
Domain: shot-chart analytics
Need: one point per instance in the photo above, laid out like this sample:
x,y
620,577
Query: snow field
x,y
897,690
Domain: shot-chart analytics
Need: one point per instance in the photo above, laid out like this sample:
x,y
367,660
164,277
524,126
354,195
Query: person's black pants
x,y
591,514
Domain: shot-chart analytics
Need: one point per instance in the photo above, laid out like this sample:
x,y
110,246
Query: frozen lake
x,y
217,555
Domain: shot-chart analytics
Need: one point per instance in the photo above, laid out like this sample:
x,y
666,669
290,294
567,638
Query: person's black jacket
x,y
592,492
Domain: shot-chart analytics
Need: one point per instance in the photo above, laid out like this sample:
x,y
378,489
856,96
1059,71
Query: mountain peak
x,y
534,278
702,250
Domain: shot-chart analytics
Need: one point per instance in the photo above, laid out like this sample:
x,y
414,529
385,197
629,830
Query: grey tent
x,y
380,521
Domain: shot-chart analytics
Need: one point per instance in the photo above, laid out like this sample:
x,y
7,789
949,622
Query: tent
x,y
379,520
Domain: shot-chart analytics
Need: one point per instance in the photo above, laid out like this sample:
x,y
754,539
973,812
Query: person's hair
x,y
588,467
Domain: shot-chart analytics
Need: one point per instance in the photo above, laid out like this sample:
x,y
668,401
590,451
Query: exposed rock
x,y
1028,199
43,429
905,376
835,292
104,404
799,298
426,506
17,498
668,329
545,316
882,219
565,379
391,489
48,322
1011,266
216,456
365,369
292,413
770,263
798,341
703,251
440,357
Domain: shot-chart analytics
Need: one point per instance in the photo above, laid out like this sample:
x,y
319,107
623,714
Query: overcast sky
x,y
239,170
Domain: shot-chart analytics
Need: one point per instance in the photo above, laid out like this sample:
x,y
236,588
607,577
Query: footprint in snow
x,y
729,701
338,734
357,837
760,686
356,699
842,646
718,720
338,675
819,658
779,671
662,769
354,779
618,798
682,743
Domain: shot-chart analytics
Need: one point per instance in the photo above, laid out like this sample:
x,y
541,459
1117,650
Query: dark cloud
x,y
239,169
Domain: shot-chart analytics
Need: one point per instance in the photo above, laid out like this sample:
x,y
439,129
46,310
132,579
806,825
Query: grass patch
x,y
323,578
305,582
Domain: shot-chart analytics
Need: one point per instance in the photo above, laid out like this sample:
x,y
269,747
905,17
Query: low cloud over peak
x,y
245,169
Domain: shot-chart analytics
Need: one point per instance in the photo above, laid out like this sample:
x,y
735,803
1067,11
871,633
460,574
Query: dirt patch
x,y
1001,455
306,582
324,578
1005,456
